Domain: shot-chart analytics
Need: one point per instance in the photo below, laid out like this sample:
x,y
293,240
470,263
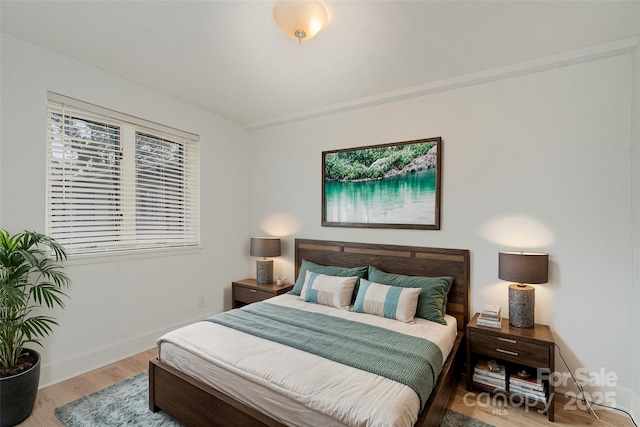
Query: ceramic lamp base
x,y
521,306
264,271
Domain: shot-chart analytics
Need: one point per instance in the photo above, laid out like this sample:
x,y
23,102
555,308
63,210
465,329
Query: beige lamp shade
x,y
300,20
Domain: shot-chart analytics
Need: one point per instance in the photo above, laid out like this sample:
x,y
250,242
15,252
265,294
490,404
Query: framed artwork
x,y
393,185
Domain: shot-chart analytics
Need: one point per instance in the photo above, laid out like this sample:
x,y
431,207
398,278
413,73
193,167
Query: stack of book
x,y
490,373
530,387
490,316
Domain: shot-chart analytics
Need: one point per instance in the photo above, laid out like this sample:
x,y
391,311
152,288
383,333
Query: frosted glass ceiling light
x,y
300,19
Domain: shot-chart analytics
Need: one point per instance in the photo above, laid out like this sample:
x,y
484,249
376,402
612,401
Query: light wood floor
x,y
566,413
57,395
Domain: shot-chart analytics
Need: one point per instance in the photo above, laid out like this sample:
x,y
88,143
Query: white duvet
x,y
295,387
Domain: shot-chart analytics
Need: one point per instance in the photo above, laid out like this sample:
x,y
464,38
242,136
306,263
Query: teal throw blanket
x,y
412,361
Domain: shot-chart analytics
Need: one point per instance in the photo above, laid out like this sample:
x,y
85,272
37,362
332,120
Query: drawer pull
x,y
513,353
508,340
253,290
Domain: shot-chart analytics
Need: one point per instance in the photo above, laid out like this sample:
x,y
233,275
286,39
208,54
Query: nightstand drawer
x,y
510,349
248,295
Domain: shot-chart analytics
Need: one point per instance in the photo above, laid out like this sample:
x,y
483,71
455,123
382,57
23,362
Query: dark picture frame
x,y
395,185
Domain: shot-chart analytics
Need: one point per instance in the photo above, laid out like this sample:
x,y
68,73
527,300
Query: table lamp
x,y
524,268
264,247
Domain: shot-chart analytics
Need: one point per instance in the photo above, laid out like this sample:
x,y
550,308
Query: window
x,y
118,183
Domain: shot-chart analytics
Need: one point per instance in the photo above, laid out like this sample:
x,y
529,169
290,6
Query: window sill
x,y
96,258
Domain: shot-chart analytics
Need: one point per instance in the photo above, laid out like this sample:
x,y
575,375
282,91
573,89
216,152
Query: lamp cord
x,y
582,393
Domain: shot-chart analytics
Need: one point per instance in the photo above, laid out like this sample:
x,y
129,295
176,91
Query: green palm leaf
x,y
31,278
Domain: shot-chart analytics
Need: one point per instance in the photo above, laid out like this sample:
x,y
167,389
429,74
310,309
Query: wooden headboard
x,y
408,260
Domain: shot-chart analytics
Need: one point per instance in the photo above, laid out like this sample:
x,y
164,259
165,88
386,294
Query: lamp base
x,y
264,271
521,306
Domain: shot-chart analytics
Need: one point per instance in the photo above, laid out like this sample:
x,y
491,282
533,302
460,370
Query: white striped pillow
x,y
393,302
328,290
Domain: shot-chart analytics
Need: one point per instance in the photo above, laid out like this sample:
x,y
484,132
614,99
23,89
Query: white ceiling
x,y
230,58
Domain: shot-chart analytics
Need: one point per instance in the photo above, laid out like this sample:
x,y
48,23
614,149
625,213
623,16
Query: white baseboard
x,y
622,398
55,372
635,408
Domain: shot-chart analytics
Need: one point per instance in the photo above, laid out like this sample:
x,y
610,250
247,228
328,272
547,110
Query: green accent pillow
x,y
432,303
329,270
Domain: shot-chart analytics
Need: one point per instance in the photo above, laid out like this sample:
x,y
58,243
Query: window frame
x,y
182,223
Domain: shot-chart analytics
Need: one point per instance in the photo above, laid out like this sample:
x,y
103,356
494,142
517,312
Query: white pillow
x,y
392,302
328,290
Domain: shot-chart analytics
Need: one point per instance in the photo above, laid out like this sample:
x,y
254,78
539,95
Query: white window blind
x,y
118,183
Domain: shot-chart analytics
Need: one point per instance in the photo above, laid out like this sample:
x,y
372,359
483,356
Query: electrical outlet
x,y
201,301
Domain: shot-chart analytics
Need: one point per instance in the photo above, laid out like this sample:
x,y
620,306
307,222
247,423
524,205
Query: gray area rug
x,y
127,404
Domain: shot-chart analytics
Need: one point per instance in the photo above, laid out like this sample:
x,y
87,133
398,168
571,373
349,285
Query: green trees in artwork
x,y
372,163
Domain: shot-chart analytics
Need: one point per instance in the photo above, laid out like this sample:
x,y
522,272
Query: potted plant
x,y
31,278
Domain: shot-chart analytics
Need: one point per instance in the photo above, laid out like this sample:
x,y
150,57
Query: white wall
x,y
540,161
118,307
635,343
0,130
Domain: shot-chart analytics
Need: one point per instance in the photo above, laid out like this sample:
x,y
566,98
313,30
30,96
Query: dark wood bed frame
x,y
196,404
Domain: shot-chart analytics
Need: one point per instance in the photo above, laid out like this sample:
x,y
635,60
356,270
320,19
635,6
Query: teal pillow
x,y
432,303
328,270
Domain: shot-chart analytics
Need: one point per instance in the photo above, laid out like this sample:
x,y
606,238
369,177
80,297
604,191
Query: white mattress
x,y
295,387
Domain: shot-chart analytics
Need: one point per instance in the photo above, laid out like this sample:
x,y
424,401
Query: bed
x,y
179,390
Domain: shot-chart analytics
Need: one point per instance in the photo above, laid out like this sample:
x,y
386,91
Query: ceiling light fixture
x,y
300,19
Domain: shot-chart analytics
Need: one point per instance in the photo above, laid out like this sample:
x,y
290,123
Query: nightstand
x,y
516,348
246,291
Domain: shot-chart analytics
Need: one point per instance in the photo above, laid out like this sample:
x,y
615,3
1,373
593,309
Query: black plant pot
x,y
18,394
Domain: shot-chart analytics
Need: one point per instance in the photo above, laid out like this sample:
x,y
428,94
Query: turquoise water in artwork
x,y
402,199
